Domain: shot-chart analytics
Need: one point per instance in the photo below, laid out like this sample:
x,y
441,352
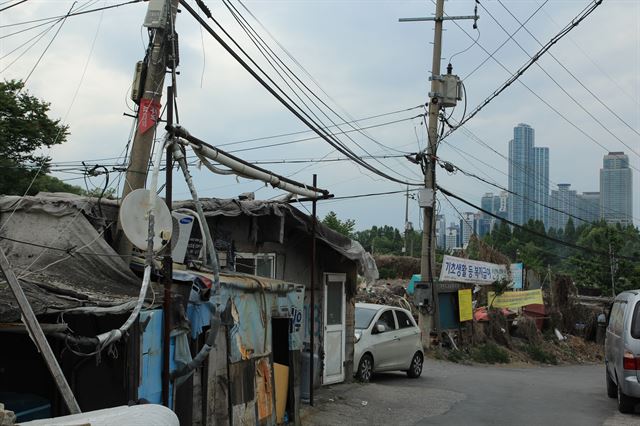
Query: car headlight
x,y
358,335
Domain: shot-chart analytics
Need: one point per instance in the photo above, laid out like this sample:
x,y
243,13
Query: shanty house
x,y
79,286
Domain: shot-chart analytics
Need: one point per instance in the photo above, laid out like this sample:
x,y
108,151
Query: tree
x,y
25,128
344,227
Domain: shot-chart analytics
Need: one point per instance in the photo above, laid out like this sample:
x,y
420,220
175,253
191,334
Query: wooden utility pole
x,y
37,335
150,106
428,319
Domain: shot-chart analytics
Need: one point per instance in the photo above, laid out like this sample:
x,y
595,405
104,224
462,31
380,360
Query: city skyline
x,y
530,195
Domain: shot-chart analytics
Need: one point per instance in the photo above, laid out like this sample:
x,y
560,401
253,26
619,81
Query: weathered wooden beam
x,y
37,335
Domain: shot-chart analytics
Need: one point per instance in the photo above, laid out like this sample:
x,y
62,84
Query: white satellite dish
x,y
134,219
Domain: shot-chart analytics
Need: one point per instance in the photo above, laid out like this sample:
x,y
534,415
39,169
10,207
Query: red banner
x,y
148,115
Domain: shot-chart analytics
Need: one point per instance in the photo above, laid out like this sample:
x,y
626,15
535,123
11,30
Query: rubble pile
x,y
386,292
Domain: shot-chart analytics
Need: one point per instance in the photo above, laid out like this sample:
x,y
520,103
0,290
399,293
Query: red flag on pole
x,y
149,114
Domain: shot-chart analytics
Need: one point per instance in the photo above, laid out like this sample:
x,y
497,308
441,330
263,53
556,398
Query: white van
x,y
622,351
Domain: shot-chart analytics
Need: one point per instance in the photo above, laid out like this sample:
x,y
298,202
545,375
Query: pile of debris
x,y
386,292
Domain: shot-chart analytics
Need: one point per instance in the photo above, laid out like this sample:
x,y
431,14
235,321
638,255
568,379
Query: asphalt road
x,y
453,394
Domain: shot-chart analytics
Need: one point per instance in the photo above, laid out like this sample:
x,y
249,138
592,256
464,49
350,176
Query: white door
x,y
334,328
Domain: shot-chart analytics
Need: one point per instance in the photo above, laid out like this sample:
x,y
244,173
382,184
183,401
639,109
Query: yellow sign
x,y
515,299
464,304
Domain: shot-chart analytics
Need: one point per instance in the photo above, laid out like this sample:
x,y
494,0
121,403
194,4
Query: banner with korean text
x,y
471,271
515,299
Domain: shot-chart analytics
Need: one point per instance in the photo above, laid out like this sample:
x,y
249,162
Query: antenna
x,y
134,217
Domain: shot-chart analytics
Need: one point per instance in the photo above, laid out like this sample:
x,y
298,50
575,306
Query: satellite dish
x,y
134,219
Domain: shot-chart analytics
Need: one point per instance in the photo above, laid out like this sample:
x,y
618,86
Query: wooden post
x,y
36,333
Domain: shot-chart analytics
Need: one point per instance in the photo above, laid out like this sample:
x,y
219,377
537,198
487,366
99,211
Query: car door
x,y
407,339
614,340
384,342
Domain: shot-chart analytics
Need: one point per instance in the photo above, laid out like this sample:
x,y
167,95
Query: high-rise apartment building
x,y
467,228
528,177
589,206
541,184
452,237
564,201
441,232
616,195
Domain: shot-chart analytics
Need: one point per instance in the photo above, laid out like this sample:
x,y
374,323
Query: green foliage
x,y
606,245
490,353
25,128
109,193
540,355
46,183
345,227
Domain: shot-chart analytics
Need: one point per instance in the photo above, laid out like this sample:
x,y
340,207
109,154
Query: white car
x,y
387,338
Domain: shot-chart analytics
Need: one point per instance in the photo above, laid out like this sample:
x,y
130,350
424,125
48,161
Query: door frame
x,y
341,278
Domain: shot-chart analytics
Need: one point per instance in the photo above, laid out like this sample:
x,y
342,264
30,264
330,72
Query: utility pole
x,y
613,269
160,18
406,223
428,319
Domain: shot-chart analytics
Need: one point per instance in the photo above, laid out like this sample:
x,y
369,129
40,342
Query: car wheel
x,y
612,389
365,368
626,404
415,369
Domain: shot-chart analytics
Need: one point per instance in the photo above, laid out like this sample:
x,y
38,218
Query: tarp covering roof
x,y
82,271
89,274
347,247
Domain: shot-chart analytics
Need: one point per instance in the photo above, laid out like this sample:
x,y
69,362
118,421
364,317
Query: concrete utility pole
x,y
406,223
158,20
429,319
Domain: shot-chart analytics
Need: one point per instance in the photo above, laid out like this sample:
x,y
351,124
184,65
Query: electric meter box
x,y
422,293
156,14
425,197
451,87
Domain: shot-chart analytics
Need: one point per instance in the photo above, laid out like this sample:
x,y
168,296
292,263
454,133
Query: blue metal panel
x,y
448,310
150,387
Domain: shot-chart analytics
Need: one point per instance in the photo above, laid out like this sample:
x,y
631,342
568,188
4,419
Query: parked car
x,y
622,350
387,338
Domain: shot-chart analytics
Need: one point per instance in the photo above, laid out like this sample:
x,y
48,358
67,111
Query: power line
x,y
315,81
78,13
12,5
317,137
495,185
300,114
521,167
372,194
560,86
270,56
515,76
535,247
504,42
531,231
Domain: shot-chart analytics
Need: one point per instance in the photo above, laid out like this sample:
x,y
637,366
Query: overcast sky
x,y
369,64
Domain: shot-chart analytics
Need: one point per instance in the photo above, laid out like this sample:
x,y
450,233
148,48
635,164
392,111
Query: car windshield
x,y
364,317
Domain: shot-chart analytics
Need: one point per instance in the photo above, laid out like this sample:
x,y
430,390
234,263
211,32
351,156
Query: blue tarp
x,y
415,278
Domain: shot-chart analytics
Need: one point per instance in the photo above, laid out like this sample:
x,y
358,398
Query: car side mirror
x,y
380,328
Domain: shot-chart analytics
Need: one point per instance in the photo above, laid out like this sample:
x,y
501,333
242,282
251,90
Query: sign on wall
x,y
465,305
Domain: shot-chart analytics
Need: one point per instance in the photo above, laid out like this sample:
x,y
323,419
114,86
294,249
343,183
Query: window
x,y
263,265
387,320
364,317
635,322
617,317
403,320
